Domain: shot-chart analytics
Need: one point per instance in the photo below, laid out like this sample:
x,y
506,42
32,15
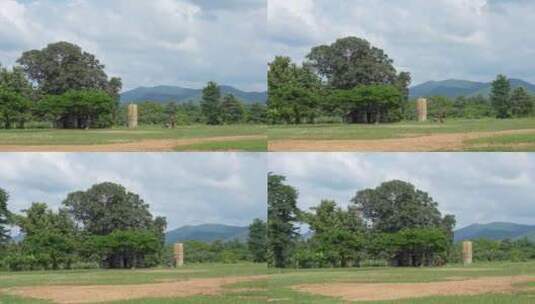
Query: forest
x,y
394,224
62,86
106,227
352,81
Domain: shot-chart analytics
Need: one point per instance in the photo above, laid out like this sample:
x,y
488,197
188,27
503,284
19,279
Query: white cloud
x,y
187,188
473,187
434,40
176,42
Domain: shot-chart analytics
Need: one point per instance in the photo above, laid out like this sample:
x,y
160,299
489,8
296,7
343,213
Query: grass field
x,y
453,135
280,286
232,137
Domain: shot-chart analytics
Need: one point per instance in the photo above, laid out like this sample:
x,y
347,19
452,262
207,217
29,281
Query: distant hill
x,y
166,94
454,88
495,231
207,233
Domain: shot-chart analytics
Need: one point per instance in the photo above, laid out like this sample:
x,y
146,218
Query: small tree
x,y
257,241
232,110
4,218
500,99
171,111
521,102
211,103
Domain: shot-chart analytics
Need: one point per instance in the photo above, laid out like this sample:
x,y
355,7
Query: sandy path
x,y
425,143
150,145
107,293
394,291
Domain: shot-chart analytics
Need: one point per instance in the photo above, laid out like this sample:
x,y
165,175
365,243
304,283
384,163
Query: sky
x,y
475,187
434,40
186,188
147,43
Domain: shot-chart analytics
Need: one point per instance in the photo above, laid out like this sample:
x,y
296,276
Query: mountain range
x,y
495,231
454,88
166,94
207,233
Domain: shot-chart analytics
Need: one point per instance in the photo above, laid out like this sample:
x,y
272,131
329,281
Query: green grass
x,y
506,143
248,145
122,135
278,287
395,130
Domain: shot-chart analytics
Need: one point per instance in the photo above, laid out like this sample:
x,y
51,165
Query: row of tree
x,y
68,88
352,81
393,224
105,226
230,111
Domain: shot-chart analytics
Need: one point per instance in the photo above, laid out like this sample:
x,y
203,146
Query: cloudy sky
x,y
187,188
434,40
475,187
170,42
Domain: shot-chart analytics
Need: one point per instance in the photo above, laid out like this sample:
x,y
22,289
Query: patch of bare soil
x,y
150,145
395,291
434,142
108,293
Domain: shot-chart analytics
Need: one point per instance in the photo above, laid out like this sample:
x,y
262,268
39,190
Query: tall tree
x,y
211,103
350,62
257,240
4,217
521,102
282,219
500,97
63,66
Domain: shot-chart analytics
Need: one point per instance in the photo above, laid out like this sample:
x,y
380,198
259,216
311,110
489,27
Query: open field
x,y
480,283
253,283
143,139
453,135
207,283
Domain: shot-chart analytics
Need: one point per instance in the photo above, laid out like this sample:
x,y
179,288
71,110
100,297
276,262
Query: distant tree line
x,y
394,224
352,81
503,102
105,226
213,109
63,86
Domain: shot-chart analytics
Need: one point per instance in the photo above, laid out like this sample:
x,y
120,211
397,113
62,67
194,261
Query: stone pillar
x,y
179,254
132,116
421,109
467,252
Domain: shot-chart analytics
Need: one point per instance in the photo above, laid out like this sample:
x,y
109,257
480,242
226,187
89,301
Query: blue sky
x,y
187,188
434,40
157,42
475,187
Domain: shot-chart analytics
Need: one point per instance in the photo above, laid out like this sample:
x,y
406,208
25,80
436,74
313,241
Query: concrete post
x,y
179,254
467,253
421,109
132,116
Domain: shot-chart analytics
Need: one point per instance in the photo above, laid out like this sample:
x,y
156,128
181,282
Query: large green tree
x,y
257,240
282,220
63,66
352,61
211,103
397,205
500,97
50,236
338,235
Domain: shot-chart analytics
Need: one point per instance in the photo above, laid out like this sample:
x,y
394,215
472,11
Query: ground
x,y
143,139
453,135
254,283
